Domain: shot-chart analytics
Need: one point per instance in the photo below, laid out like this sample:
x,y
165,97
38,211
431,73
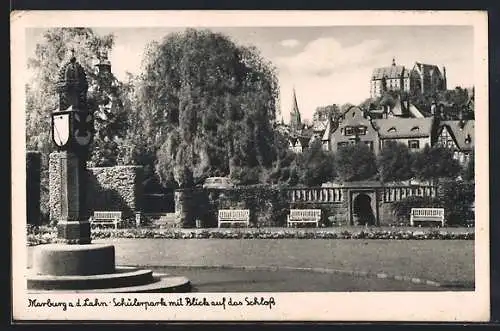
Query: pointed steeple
x,y
295,120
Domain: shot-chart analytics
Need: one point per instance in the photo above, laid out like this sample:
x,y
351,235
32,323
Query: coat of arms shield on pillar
x,y
61,129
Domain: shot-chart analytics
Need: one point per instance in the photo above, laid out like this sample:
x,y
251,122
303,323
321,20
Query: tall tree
x,y
41,98
356,162
345,107
433,163
316,166
211,105
394,162
326,112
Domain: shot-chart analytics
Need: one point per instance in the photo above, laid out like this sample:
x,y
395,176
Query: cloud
x,y
323,56
291,43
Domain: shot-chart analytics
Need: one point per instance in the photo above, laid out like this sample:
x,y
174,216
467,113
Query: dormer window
x,y
415,129
361,130
349,131
392,129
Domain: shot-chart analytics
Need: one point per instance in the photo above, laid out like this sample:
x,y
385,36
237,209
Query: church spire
x,y
295,121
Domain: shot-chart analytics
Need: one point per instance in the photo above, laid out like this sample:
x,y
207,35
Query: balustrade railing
x,y
336,195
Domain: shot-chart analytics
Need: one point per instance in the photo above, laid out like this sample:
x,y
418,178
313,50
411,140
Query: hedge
x,y
48,235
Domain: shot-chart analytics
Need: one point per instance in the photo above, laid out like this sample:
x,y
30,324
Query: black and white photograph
x,y
212,165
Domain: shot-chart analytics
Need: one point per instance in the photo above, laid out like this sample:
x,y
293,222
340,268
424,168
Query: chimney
x,y
433,108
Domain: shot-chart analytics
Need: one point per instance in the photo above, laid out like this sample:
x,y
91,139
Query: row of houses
x,y
401,122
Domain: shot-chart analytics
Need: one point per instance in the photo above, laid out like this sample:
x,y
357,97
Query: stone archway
x,y
362,210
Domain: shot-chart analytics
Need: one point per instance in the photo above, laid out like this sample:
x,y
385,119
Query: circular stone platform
x,y
158,283
65,260
91,268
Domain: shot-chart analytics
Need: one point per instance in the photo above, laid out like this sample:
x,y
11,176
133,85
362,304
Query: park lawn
x,y
445,261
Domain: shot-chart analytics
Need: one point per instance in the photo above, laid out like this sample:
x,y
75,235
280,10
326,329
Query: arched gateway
x,y
362,211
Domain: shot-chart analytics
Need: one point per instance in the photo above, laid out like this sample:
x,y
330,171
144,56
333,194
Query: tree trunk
x,y
184,209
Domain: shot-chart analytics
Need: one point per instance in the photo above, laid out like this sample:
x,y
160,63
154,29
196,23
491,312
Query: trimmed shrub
x,y
402,208
33,164
457,199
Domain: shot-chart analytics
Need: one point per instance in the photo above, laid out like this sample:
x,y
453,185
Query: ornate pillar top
x,y
72,85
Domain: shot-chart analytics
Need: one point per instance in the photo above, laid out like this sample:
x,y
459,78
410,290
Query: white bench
x,y
304,216
106,218
168,220
427,215
230,216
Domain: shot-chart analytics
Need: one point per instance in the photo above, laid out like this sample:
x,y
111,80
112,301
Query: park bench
x,y
106,218
168,220
304,216
230,216
427,215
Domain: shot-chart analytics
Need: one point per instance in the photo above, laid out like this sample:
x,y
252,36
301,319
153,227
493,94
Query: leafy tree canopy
x,y
395,161
433,163
356,162
104,96
326,112
209,104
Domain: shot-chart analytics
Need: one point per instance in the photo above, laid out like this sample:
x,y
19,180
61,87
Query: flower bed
x,y
48,235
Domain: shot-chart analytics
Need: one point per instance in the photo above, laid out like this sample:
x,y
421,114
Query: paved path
x,y
231,280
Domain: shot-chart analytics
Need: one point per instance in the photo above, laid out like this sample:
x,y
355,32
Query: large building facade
x,y
422,78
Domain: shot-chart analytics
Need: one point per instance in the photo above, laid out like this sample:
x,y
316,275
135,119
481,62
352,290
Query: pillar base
x,y
74,232
61,268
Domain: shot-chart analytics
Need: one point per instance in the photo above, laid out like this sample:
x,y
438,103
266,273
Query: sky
x,y
325,65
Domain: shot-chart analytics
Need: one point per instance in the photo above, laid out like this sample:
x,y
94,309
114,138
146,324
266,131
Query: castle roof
x,y
394,71
427,68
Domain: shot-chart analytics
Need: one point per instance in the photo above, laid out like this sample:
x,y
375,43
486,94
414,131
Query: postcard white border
x,y
393,306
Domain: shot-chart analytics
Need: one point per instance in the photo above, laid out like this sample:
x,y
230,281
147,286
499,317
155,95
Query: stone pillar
x,y
67,196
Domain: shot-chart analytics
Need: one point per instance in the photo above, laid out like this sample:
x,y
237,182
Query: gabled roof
x,y
394,71
404,127
304,141
427,68
464,136
415,112
328,131
319,126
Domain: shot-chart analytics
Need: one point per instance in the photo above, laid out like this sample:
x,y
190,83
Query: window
x,y
361,130
392,129
468,139
445,139
413,144
349,131
415,129
342,144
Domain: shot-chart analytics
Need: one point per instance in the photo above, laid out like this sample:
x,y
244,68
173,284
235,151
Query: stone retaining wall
x,y
115,188
107,188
